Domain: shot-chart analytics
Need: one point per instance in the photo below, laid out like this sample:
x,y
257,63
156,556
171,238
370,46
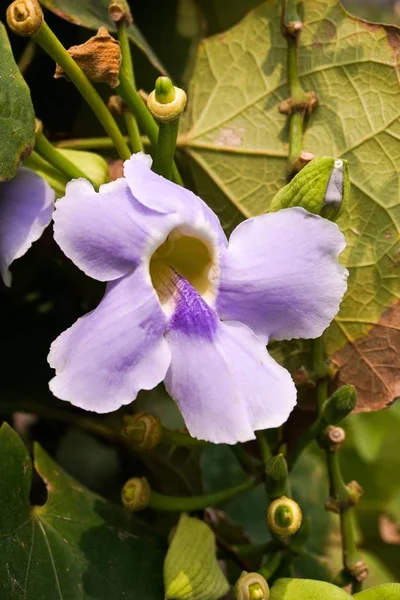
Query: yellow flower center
x,y
190,257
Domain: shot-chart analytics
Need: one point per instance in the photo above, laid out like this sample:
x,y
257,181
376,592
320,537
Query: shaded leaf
x,y
388,591
306,589
191,570
16,112
93,165
236,144
75,546
94,14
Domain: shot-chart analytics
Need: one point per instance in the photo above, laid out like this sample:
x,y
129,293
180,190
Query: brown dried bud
x,y
116,105
144,431
99,58
25,17
119,12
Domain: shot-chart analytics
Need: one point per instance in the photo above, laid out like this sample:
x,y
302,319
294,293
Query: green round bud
x,y
164,91
135,494
251,586
284,516
25,17
144,431
166,102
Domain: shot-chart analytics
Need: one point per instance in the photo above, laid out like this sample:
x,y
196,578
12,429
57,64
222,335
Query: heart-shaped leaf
x,y
74,546
16,113
236,142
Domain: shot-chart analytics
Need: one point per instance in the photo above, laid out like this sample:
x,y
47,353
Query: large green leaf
x,y
388,591
236,142
74,546
306,589
94,14
16,112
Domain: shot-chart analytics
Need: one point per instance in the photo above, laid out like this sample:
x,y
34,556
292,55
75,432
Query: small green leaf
x,y
94,14
322,188
16,112
306,589
191,570
93,165
387,591
74,546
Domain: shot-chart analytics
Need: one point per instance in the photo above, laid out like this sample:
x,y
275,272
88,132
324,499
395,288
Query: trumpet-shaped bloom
x,y
184,307
26,206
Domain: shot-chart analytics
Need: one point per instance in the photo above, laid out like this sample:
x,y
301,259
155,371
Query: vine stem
x,y
300,102
189,503
127,65
338,490
55,158
51,44
104,430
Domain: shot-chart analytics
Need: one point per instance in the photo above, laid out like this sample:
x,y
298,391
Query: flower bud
x,y
99,58
276,476
332,438
355,492
251,586
166,102
360,570
322,188
144,431
284,516
135,494
25,17
116,105
120,12
339,405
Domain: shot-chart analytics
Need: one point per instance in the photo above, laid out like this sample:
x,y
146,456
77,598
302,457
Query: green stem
x,y
263,446
55,158
55,414
27,56
127,66
275,561
244,459
144,118
190,503
50,43
95,143
166,143
179,438
291,27
338,488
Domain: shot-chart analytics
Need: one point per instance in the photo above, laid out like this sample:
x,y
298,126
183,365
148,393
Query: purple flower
x,y
183,307
26,206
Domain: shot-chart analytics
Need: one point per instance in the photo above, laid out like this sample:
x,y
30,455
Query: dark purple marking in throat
x,y
192,315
